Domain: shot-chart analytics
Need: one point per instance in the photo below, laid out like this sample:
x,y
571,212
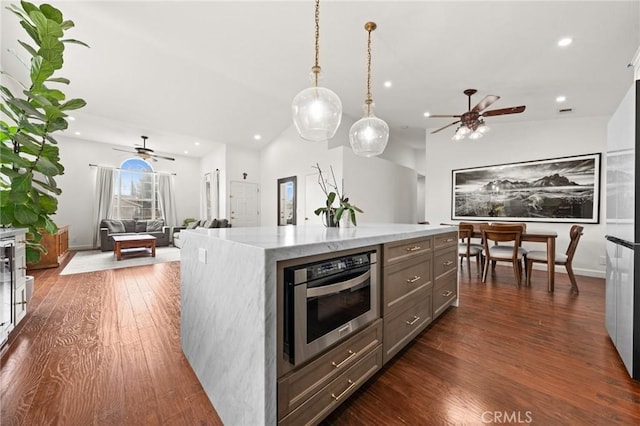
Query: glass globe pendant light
x,y
317,111
369,135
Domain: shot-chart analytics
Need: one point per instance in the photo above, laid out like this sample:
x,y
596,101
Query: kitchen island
x,y
229,306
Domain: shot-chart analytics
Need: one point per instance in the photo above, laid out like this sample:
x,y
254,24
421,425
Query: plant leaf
x,y
46,167
45,26
28,48
74,41
51,13
73,104
60,80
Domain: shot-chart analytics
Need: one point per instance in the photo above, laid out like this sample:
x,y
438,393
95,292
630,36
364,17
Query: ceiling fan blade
x,y
448,125
488,100
503,111
444,116
163,157
125,150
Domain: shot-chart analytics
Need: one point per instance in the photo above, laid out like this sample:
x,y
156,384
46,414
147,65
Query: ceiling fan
x,y
144,152
472,122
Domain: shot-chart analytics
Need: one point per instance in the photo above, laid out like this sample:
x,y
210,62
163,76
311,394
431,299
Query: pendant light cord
x,y
316,67
369,26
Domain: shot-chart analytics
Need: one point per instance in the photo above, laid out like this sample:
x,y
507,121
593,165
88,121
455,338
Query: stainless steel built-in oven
x,y
326,301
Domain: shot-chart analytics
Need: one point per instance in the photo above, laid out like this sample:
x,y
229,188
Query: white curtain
x,y
104,194
167,193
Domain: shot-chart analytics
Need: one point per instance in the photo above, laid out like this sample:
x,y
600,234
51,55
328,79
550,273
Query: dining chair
x,y
468,249
523,227
561,259
513,253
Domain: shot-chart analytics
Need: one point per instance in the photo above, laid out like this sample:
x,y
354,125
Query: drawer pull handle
x,y
24,268
351,386
415,320
24,302
340,364
447,294
448,263
22,242
414,248
414,279
448,240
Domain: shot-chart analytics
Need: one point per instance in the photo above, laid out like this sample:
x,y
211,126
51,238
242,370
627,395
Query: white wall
x,y
385,191
75,204
514,142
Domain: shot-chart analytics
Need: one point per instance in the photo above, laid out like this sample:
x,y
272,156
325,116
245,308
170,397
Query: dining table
x,y
547,237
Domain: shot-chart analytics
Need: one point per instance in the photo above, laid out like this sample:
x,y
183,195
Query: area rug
x,y
95,260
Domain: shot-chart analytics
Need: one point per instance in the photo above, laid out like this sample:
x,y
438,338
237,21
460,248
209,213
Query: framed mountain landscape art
x,y
554,190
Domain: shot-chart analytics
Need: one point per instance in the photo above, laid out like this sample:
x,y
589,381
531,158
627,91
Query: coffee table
x,y
134,244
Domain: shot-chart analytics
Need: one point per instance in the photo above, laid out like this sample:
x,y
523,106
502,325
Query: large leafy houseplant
x,y
29,155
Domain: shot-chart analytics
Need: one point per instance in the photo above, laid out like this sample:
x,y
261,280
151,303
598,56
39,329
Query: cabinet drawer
x,y
299,385
406,320
444,292
403,279
445,240
328,398
406,249
444,261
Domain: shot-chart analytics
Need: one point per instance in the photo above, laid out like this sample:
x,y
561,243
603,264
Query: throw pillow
x,y
155,225
193,225
114,226
141,226
214,223
206,224
223,223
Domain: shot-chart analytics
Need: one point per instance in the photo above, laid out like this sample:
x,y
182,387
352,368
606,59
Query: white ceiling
x,y
222,71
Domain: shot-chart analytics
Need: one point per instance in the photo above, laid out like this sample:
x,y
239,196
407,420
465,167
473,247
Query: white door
x,y
243,202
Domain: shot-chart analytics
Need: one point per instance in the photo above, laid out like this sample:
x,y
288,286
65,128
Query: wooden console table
x,y
57,246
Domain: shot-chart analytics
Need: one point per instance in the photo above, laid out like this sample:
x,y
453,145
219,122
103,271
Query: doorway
x,y
243,204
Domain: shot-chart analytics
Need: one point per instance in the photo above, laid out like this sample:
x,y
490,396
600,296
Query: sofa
x,y
212,223
154,227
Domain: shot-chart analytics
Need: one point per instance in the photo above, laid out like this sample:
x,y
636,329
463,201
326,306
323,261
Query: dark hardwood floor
x,y
104,348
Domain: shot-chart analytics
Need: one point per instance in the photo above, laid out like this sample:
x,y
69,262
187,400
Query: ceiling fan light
x,y
483,128
475,135
317,112
463,131
457,136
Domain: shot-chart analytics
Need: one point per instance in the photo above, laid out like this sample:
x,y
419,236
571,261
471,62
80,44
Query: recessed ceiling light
x,y
77,133
387,84
257,137
71,118
427,114
564,42
186,152
197,143
561,99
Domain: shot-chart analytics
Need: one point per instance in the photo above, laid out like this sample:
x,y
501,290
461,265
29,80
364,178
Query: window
x,y
135,191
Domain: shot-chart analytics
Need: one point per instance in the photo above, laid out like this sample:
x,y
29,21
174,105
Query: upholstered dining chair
x,y
561,259
492,235
468,249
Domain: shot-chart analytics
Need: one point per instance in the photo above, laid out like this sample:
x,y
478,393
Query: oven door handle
x,y
335,288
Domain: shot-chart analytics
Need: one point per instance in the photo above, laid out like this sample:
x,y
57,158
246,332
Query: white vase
x,y
345,221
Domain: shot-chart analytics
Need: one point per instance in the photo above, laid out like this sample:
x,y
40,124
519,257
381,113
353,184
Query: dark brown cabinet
x,y
57,246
